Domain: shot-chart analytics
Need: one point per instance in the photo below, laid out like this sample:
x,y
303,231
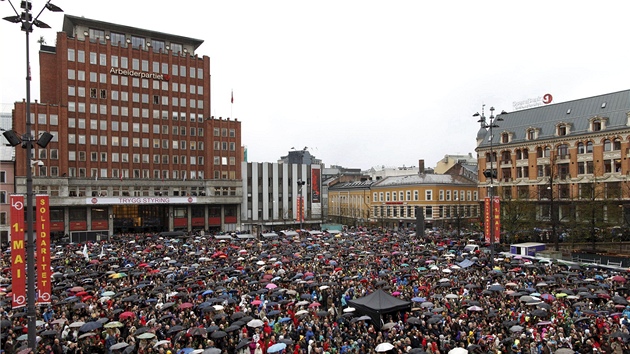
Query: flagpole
x,y
232,103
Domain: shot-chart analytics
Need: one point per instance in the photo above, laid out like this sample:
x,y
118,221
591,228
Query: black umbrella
x,y
218,334
243,343
232,328
175,329
90,326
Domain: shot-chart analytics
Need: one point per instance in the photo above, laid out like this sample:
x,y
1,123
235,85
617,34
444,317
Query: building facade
x,y
445,200
563,165
278,196
134,147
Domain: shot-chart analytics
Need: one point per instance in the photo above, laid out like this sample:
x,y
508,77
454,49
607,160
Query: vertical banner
x,y
43,248
18,252
316,185
486,219
496,213
300,209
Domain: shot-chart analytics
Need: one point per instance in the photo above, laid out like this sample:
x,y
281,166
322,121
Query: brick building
x,y
134,147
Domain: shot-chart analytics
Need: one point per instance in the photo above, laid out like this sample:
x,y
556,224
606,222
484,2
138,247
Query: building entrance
x,y
140,218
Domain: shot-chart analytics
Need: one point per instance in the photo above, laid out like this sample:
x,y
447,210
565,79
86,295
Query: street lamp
x,y
490,124
301,184
26,21
459,228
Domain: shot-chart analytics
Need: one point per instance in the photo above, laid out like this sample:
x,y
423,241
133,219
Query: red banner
x,y
496,211
43,249
18,252
300,209
315,185
486,219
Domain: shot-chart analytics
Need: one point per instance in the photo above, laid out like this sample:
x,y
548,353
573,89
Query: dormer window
x,y
563,128
505,138
531,133
597,124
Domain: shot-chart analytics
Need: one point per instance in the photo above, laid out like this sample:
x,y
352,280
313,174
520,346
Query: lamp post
x,y
489,123
301,184
26,21
459,228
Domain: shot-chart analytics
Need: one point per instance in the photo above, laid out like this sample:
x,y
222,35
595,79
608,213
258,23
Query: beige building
x,y
393,202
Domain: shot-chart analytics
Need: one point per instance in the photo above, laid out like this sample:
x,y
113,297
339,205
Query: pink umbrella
x,y
271,286
256,302
185,305
314,304
396,293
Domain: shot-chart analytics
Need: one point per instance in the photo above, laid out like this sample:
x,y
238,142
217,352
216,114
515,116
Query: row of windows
x,y
119,39
224,132
562,129
428,195
138,158
124,110
115,126
142,142
562,150
135,82
442,211
136,64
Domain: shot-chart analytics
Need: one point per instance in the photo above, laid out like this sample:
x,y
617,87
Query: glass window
x,y
137,42
117,38
70,54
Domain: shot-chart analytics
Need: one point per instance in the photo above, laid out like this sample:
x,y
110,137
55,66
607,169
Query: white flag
x,y
85,253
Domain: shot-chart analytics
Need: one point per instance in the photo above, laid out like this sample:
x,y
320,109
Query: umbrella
x,y
214,350
160,342
383,347
218,334
90,326
255,323
126,314
243,343
76,324
564,351
277,347
146,335
113,324
119,346
88,334
458,350
516,328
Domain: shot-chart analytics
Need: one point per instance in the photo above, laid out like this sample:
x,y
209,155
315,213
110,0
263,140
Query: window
x,y
428,194
137,42
563,151
589,147
117,38
562,130
176,48
607,145
597,126
505,138
531,134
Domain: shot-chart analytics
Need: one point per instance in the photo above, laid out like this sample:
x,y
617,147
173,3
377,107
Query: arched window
x,y
563,151
589,147
580,148
519,155
547,151
607,145
616,144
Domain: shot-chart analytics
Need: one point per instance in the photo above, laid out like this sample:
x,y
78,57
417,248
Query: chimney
x,y
420,166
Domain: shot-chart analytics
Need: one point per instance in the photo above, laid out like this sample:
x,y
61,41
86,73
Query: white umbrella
x,y
349,309
160,342
76,324
301,312
255,323
458,350
383,347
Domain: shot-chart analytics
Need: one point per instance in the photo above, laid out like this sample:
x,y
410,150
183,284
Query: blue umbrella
x,y
276,348
185,351
207,292
418,299
284,319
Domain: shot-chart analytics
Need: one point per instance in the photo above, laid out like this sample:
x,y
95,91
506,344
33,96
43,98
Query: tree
x,y
518,215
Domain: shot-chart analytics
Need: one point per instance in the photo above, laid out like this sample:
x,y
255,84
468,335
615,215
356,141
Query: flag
x,y
85,253
121,176
102,252
232,100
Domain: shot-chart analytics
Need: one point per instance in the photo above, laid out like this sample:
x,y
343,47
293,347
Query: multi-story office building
x,y
278,196
560,165
134,147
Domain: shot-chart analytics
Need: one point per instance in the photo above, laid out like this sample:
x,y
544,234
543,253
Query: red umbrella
x,y
619,279
185,305
314,304
126,315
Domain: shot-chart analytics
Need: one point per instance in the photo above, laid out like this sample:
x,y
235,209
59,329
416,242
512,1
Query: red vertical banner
x,y
18,252
496,214
300,209
486,219
43,249
316,185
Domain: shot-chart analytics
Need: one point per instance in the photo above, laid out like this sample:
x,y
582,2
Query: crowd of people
x,y
144,293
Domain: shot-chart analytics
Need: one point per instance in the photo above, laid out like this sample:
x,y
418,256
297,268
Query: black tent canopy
x,y
377,304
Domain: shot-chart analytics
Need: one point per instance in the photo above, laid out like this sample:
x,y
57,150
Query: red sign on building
x,y
18,252
43,249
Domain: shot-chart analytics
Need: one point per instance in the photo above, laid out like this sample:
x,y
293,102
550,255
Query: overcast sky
x,y
366,83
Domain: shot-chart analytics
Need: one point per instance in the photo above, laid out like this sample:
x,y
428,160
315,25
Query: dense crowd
x,y
142,293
